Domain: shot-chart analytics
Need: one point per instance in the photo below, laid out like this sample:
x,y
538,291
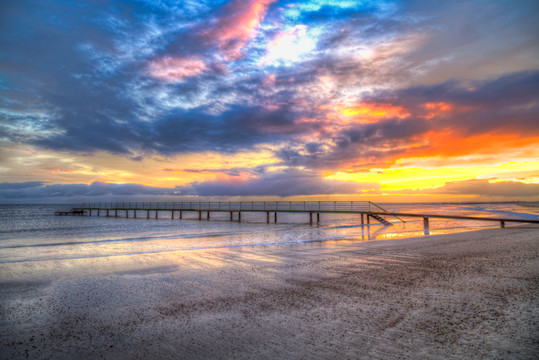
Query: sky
x,y
385,101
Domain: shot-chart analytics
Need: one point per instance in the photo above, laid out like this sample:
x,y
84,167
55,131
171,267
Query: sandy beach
x,y
470,295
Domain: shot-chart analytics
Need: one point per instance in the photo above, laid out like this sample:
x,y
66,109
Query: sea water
x,y
32,233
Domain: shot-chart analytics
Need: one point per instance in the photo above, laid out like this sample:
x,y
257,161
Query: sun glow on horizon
x,y
413,178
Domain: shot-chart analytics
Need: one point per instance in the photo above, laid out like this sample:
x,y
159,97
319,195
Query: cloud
x,y
380,81
250,182
284,183
21,186
483,189
511,189
176,69
37,190
236,25
428,120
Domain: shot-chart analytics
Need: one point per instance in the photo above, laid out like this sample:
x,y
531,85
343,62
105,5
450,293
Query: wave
x,y
149,238
334,238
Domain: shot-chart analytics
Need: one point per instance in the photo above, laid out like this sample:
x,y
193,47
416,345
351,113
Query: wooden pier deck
x,y
366,211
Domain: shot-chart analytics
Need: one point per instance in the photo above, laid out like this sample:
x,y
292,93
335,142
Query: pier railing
x,y
320,206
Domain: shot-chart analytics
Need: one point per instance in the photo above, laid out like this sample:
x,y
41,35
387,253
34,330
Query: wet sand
x,y
467,295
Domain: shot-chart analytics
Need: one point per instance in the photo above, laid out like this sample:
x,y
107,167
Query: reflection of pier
x,y
365,209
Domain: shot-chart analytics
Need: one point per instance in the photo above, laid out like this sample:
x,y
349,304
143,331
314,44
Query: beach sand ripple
x,y
469,295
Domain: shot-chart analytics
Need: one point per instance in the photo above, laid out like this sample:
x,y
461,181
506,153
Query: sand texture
x,y
462,296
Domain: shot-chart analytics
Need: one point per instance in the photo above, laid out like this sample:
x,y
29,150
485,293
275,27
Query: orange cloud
x,y
453,144
239,26
176,69
367,113
438,106
435,109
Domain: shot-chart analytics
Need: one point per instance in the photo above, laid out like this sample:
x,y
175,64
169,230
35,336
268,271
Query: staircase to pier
x,y
381,220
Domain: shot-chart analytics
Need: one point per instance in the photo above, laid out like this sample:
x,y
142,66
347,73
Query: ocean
x,y
32,233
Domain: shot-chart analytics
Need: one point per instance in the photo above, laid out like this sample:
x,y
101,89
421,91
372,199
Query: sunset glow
x,y
268,98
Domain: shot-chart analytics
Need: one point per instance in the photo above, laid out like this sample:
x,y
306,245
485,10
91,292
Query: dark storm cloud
x,y
237,128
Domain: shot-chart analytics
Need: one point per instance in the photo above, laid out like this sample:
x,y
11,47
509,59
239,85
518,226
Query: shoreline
x,y
469,294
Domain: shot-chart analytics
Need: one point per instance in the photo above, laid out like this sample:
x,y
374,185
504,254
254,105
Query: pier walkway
x,y
365,209
152,209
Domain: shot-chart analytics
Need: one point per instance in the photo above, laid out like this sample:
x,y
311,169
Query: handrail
x,y
86,205
384,210
353,206
307,206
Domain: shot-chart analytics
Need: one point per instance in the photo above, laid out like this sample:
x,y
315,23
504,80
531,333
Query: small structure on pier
x,y
73,211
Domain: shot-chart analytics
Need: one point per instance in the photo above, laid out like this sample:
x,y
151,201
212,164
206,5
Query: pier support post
x,y
362,221
502,224
181,214
318,218
267,217
135,216
231,215
147,214
116,213
426,225
208,216
275,217
368,220
107,212
239,216
200,215
310,218
157,214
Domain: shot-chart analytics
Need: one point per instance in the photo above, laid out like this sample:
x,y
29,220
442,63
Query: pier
x,y
151,210
366,211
